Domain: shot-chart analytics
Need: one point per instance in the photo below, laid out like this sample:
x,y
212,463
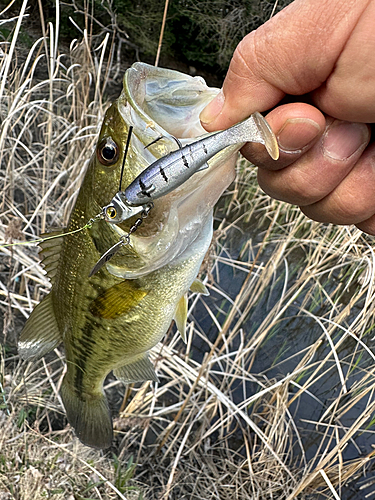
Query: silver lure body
x,y
172,170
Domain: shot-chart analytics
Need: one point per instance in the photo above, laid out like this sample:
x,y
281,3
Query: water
x,y
285,346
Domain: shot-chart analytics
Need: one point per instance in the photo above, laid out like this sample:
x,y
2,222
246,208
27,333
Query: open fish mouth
x,y
164,103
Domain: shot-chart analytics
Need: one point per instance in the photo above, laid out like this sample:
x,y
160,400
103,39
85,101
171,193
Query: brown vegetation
x,y
227,418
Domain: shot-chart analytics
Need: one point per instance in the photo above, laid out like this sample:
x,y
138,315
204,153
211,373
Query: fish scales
x,y
110,321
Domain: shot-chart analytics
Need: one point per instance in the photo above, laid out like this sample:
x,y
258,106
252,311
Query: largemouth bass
x,y
110,320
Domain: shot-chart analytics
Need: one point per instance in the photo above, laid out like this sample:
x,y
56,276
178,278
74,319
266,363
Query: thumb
x,y
292,53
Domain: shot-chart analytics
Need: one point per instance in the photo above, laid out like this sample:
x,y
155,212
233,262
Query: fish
x,y
109,321
172,170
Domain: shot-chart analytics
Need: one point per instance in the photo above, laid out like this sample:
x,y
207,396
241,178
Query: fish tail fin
x,y
90,417
256,129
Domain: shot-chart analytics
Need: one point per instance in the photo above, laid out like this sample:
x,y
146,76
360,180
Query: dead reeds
x,y
273,395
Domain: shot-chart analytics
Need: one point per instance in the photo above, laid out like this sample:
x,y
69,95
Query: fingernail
x,y
342,139
212,109
297,133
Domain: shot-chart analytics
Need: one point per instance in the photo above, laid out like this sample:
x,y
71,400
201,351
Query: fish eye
x,y
107,152
111,212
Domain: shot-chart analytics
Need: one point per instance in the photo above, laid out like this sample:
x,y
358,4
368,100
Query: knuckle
x,y
243,61
295,187
348,208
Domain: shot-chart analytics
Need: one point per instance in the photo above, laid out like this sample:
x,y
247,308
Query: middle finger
x,y
321,169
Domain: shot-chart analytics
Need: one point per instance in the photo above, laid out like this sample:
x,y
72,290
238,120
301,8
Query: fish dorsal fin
x,y
118,300
50,252
198,287
180,316
40,334
137,370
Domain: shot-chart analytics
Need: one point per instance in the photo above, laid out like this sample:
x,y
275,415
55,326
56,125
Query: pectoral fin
x,y
118,300
137,370
40,334
198,287
180,316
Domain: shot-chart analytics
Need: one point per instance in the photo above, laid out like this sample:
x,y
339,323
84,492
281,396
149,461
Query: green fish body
x,y
110,321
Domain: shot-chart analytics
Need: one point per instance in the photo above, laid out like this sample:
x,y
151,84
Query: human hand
x,y
324,52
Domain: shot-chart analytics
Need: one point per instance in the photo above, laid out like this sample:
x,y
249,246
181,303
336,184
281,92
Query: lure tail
x,y
89,415
256,129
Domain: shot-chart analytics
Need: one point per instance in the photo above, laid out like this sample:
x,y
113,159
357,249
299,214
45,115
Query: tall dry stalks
x,y
273,396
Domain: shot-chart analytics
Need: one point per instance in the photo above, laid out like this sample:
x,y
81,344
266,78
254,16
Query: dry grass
x,y
273,396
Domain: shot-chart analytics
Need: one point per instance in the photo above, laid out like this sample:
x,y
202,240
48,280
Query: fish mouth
x,y
160,102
